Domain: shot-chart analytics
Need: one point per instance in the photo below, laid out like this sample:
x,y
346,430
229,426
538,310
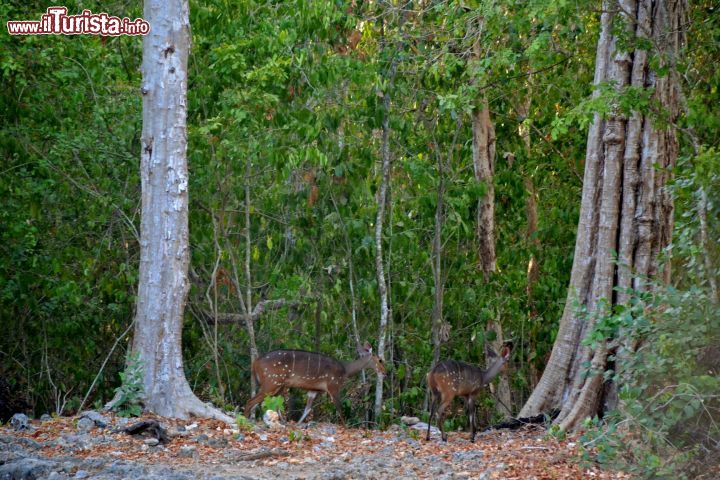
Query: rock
x,y
81,474
180,428
187,451
85,424
410,421
57,476
192,426
263,438
202,438
221,442
470,456
100,420
330,429
20,421
240,437
422,426
81,441
272,420
124,469
45,417
151,442
27,469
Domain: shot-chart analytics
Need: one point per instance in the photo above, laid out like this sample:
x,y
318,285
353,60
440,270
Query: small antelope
x,y
450,379
309,371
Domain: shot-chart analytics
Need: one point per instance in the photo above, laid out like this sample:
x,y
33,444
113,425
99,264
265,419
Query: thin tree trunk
x,y
705,244
625,208
483,153
379,220
164,249
248,277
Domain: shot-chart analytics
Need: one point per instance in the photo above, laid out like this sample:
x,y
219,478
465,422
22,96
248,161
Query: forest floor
x,y
62,448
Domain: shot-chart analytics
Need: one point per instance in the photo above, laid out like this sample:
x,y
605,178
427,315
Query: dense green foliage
x,y
286,98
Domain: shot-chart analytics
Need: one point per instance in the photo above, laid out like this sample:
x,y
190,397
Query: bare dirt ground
x,y
63,448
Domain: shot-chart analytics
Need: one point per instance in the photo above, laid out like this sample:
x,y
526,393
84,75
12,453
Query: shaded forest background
x,y
285,131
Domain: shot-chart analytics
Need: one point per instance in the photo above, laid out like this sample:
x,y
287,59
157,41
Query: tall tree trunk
x,y
483,153
531,214
248,277
382,197
625,206
164,250
483,150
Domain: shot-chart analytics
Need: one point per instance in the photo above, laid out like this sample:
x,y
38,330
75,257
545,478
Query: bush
x,y
668,419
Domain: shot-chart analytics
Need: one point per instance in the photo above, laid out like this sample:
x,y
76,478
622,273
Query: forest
x,y
530,186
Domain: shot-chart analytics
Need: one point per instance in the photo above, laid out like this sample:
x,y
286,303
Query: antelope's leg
x,y
473,418
441,417
433,406
308,406
252,403
335,395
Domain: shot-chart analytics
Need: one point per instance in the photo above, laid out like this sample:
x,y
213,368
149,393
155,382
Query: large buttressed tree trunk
x,y
625,206
164,251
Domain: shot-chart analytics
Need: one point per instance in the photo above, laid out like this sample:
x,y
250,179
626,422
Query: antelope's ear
x,y
366,349
506,352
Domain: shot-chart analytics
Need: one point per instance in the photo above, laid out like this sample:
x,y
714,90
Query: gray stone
x,y
81,441
125,469
45,417
20,421
187,451
219,442
57,476
27,469
202,438
81,474
422,426
410,421
99,420
470,456
151,442
329,429
240,437
85,424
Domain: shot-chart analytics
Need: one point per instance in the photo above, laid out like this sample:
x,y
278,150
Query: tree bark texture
x,y
164,250
382,197
483,152
625,206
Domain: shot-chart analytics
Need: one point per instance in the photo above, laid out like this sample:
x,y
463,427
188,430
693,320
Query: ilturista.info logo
x,y
57,22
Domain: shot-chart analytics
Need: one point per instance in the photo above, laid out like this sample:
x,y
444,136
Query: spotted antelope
x,y
309,371
450,379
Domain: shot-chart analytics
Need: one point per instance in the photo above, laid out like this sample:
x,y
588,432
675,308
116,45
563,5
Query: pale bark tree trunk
x,y
248,277
625,207
382,197
164,250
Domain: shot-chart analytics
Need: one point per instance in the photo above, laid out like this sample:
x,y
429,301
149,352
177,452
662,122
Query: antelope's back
x,y
296,367
457,376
